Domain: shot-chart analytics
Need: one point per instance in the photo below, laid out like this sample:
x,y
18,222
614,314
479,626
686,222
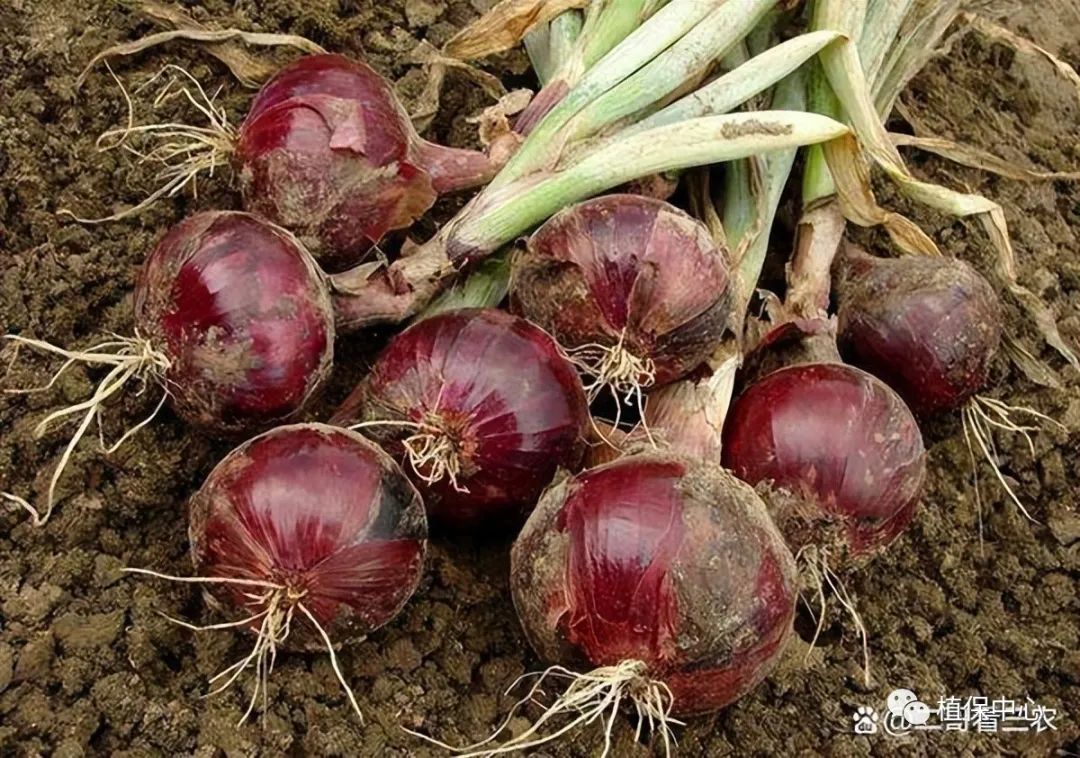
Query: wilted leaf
x,y
504,26
221,43
977,158
851,175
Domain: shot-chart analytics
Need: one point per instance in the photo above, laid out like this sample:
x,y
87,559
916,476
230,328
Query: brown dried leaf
x,y
851,175
1005,272
356,280
504,26
977,158
493,123
221,43
1033,368
437,64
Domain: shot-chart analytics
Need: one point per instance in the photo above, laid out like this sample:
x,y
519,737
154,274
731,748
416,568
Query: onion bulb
x,y
634,289
308,536
653,580
841,450
928,327
482,406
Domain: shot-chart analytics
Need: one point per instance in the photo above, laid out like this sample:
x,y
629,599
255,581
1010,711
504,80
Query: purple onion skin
x,y
841,445
928,327
626,262
512,404
662,560
244,316
328,152
321,511
547,98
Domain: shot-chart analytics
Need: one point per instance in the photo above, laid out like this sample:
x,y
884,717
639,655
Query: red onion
x,y
928,327
666,577
482,404
309,536
634,288
327,151
841,451
233,320
843,447
243,316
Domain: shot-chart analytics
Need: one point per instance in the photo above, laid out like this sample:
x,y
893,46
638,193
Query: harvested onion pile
x,y
627,408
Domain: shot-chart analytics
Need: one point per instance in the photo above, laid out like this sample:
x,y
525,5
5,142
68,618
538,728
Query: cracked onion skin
x,y
660,559
244,316
626,264
512,406
327,151
320,511
928,327
841,450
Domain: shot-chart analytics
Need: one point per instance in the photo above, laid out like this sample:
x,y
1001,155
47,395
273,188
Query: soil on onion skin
x,y
87,664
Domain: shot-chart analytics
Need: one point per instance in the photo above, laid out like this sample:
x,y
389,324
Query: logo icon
x,y
866,719
898,700
906,710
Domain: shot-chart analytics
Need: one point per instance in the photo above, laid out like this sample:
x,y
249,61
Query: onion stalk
x,y
572,44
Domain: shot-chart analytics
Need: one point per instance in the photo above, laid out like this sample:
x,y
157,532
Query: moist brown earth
x,y
87,664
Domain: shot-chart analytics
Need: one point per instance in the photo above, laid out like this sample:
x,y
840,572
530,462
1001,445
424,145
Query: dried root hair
x,y
130,359
981,416
819,576
615,369
276,607
183,152
592,697
431,452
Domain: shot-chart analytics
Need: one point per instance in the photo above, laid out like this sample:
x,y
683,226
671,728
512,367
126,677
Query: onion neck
x,y
688,416
546,99
452,168
792,343
817,241
802,330
389,295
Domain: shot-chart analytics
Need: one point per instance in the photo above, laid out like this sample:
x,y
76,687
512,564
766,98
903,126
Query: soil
x,y
87,664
